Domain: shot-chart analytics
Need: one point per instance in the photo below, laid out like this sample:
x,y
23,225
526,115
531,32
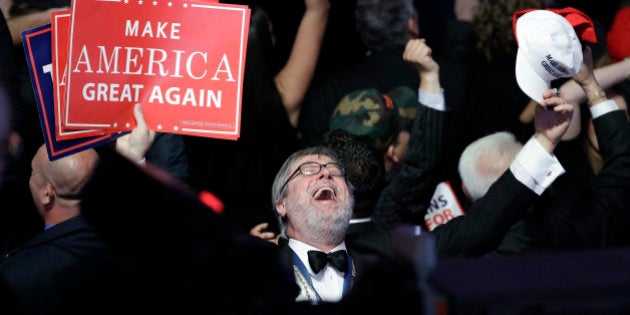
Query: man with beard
x,y
314,204
314,201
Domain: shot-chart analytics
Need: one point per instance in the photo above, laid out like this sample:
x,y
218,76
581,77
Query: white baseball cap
x,y
548,49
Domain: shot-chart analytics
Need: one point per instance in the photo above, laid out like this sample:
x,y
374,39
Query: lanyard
x,y
347,279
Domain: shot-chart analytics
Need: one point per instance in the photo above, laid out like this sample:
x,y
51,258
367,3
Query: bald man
x,y
56,185
67,267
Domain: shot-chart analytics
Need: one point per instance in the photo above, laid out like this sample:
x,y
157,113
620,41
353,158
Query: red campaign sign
x,y
182,60
60,27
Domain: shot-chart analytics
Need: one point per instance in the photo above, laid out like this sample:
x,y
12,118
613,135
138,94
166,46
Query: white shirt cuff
x,y
535,167
602,108
432,99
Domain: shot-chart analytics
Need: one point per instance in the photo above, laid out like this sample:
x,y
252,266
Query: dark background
x,y
343,47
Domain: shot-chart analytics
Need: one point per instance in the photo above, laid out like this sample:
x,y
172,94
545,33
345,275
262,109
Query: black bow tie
x,y
318,260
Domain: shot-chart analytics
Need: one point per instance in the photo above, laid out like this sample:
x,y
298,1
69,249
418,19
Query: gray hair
x,y
485,160
277,189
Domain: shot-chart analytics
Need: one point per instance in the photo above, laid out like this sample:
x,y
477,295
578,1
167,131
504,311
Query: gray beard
x,y
324,228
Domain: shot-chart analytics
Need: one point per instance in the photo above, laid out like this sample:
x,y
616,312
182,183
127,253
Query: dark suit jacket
x,y
406,197
594,216
611,187
366,238
597,213
487,221
66,269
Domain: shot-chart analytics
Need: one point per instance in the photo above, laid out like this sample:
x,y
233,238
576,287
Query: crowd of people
x,y
351,117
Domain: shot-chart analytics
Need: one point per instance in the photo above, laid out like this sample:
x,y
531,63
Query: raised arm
x,y
604,219
606,76
294,79
551,120
534,168
406,197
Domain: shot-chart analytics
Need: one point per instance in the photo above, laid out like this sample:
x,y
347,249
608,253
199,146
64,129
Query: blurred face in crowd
x,y
397,151
317,203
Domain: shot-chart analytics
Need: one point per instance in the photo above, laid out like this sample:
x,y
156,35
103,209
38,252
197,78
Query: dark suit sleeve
x,y
487,221
168,152
611,187
407,195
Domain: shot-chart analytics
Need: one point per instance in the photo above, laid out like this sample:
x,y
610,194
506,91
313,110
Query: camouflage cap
x,y
406,101
377,115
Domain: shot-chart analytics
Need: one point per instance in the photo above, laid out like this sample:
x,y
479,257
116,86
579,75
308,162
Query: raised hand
x,y
587,81
586,75
551,119
418,54
135,145
259,231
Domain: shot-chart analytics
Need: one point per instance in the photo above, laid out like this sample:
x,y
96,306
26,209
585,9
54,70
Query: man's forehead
x,y
321,158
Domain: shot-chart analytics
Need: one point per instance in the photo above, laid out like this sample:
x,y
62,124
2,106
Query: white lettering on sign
x,y
188,96
112,92
152,29
156,61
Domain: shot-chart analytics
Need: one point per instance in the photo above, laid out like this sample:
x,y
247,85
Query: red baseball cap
x,y
582,23
618,37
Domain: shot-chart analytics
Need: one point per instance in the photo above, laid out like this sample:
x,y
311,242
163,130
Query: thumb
x,y
139,116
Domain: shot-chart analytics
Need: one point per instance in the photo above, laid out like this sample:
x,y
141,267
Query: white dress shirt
x,y
328,283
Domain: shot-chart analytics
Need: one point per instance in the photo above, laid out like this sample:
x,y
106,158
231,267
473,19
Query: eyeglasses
x,y
313,168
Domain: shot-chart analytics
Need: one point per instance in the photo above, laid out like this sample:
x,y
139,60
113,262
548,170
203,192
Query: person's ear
x,y
391,153
281,208
48,195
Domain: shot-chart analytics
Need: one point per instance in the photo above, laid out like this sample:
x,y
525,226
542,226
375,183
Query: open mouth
x,y
325,193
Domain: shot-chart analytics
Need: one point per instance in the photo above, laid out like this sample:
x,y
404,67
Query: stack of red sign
x,y
182,60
